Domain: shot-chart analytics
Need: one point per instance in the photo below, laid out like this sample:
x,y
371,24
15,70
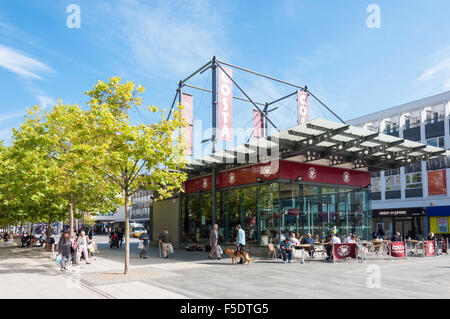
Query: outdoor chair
x,y
273,252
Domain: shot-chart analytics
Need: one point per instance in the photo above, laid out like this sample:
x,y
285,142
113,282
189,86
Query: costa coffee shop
x,y
314,177
408,221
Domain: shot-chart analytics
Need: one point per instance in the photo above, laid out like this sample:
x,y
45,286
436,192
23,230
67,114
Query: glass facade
x,y
265,210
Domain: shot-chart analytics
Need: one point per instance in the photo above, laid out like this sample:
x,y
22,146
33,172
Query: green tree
x,y
133,156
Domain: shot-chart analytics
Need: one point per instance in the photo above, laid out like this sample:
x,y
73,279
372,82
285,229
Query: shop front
x,y
409,222
438,220
269,199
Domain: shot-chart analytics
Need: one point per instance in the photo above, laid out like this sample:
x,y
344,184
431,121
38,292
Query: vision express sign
x,y
399,212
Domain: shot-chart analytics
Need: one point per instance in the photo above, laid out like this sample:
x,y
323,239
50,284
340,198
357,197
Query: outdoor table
x,y
302,248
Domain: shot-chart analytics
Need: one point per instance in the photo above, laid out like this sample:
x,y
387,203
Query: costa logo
x,y
266,170
231,178
205,183
346,177
312,173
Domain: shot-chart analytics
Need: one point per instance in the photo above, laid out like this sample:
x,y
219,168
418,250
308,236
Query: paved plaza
x,y
31,273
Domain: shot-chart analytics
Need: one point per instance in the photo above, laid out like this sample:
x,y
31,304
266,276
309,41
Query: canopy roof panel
x,y
326,142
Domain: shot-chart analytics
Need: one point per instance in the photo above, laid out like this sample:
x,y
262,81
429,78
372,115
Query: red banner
x,y
431,248
437,183
302,107
445,246
397,249
225,105
343,251
187,101
258,124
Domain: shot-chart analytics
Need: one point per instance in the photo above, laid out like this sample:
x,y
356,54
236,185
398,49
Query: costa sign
x,y
225,105
397,249
302,107
431,248
187,101
343,251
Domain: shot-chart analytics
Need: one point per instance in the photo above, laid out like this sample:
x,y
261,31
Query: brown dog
x,y
235,254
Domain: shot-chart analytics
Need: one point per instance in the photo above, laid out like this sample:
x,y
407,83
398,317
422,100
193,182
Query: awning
x,y
327,143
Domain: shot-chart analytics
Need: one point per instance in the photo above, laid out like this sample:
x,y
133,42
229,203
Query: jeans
x,y
65,260
286,253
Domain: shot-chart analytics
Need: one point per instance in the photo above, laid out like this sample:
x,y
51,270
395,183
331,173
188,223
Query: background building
x,y
413,199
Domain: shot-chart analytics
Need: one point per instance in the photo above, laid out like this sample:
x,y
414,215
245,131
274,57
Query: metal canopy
x,y
323,142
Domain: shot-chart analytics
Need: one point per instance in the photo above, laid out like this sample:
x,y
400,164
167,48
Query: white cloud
x,y
165,37
437,72
21,64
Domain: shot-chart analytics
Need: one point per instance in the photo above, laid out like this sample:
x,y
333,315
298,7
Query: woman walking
x,y
82,246
64,250
74,249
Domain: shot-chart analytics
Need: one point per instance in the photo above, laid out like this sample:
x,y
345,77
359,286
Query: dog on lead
x,y
235,254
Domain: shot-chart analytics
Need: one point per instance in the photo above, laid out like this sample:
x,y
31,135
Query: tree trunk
x,y
71,220
49,231
127,235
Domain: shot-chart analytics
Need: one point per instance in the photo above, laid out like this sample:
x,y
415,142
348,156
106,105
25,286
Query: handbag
x,y
58,259
170,249
219,249
141,244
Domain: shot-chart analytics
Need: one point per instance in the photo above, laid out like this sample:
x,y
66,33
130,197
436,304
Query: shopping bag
x,y
141,244
58,259
171,249
219,249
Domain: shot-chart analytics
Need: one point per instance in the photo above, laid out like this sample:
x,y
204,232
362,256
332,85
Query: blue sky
x,y
325,44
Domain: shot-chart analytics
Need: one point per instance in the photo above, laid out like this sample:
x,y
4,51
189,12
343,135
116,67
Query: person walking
x,y
91,234
214,242
64,250
144,238
120,234
74,253
240,240
166,242
82,246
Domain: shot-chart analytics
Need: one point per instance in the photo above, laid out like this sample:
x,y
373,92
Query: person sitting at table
x,y
286,250
431,236
294,241
332,239
308,240
396,237
351,239
380,233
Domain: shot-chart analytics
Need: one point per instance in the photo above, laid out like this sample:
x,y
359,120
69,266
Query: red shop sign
x,y
343,251
397,249
431,248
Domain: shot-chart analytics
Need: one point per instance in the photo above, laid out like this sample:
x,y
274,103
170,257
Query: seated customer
x,y
329,247
396,237
294,241
286,250
308,240
350,239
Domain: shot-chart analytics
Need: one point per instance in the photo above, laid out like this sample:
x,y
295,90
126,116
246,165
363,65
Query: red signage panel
x,y
225,105
198,184
302,107
431,248
343,251
187,101
397,249
323,174
258,124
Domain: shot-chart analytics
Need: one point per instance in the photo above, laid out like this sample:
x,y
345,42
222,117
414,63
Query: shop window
x,y
376,184
392,179
414,180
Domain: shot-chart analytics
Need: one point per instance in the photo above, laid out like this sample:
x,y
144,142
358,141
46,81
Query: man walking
x,y
166,242
144,238
214,242
240,240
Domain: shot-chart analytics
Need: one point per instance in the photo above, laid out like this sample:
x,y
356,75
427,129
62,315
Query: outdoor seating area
x,y
361,250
